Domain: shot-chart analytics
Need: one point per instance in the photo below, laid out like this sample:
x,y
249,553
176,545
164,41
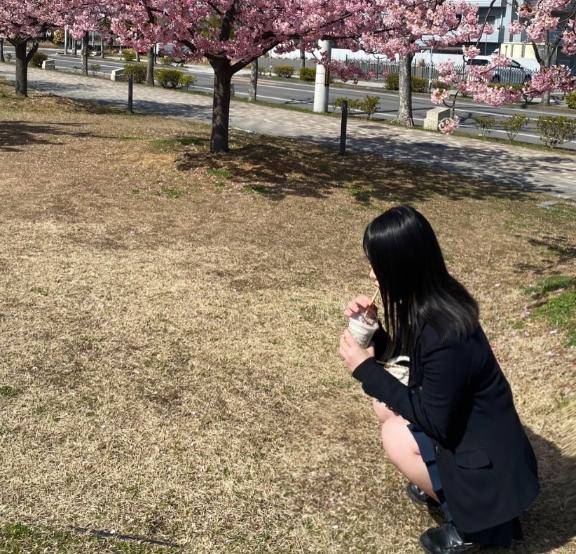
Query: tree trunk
x,y
405,117
221,107
254,81
302,58
150,67
23,58
2,51
137,56
85,44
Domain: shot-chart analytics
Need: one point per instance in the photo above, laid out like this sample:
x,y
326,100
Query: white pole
x,y
322,88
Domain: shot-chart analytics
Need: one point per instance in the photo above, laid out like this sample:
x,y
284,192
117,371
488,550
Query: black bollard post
x,y
130,94
343,127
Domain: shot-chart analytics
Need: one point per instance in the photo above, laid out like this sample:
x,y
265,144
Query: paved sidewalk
x,y
508,166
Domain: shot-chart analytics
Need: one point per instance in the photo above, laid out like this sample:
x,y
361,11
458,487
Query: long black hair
x,y
415,285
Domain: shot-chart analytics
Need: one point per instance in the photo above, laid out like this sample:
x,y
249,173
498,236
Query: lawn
x,y
169,378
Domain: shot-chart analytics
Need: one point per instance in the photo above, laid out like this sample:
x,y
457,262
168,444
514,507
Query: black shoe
x,y
445,540
420,498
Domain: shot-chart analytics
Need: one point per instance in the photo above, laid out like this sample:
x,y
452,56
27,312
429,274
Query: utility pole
x,y
322,86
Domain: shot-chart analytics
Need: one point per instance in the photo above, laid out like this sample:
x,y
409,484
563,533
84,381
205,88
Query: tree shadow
x,y
122,537
282,167
14,135
551,522
560,245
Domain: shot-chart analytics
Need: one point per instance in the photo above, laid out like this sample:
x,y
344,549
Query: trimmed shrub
x,y
186,81
368,105
571,100
167,60
308,74
514,124
38,59
284,71
440,85
392,81
556,130
173,78
485,123
129,55
419,84
168,78
95,68
137,70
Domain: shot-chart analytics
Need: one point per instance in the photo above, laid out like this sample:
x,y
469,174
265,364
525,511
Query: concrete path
x,y
507,166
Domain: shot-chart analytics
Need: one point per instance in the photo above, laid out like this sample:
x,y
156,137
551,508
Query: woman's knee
x,y
382,411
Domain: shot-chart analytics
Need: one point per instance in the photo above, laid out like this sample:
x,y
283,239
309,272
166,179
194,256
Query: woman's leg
x,y
382,411
402,450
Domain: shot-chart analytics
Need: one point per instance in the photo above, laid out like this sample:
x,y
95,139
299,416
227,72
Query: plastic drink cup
x,y
362,329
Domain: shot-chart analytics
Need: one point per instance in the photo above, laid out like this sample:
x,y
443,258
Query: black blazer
x,y
460,398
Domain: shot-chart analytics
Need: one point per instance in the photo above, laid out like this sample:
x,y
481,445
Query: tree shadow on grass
x,y
551,522
562,247
15,135
284,167
122,537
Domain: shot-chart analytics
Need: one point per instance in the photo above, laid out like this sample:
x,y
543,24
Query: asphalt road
x,y
301,94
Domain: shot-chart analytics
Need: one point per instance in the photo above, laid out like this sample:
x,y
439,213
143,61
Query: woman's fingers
x,y
357,305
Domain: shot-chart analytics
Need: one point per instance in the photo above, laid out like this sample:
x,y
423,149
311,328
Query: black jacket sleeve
x,y
432,406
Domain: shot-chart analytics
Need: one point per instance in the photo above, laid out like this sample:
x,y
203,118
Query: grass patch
x,y
556,295
9,392
551,284
256,189
172,192
560,311
179,358
17,538
175,144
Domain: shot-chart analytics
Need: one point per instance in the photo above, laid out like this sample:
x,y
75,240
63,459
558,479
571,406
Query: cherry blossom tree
x,y
23,23
416,26
231,34
538,21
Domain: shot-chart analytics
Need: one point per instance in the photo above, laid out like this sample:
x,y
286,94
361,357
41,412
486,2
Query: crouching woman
x,y
453,430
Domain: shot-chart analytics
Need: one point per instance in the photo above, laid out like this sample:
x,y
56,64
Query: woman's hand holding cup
x,y
360,305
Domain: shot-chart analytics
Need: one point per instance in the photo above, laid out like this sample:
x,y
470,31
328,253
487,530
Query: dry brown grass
x,y
168,328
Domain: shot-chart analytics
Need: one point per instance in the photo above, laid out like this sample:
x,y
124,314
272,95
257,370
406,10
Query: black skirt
x,y
500,536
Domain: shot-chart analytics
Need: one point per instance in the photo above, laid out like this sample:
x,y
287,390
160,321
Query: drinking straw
x,y
370,305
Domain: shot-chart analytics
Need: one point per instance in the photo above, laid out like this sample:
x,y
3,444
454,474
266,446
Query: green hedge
x,y
368,104
556,130
392,81
136,70
129,55
308,74
38,58
284,71
571,100
418,83
172,78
